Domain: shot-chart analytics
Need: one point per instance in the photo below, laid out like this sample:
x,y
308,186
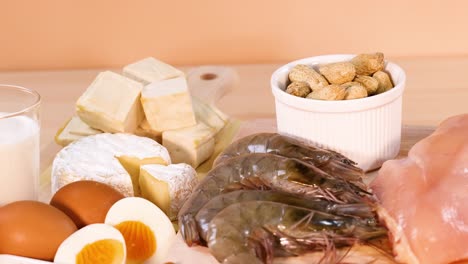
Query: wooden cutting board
x,y
210,84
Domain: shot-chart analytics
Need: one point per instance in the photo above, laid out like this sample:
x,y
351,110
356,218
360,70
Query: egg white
x,y
142,210
71,246
11,259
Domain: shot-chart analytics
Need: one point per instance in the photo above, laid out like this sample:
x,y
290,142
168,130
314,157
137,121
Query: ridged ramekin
x,y
366,130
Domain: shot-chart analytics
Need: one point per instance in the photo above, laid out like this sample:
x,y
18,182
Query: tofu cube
x,y
111,103
151,70
167,105
191,145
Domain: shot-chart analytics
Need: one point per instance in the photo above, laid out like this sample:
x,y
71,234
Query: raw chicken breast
x,y
424,197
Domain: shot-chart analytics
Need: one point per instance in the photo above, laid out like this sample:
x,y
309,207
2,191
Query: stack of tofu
x,y
151,99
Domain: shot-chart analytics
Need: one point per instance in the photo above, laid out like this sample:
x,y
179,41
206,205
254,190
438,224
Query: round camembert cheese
x,y
113,159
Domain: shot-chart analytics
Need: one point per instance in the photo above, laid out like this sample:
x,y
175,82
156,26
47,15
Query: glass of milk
x,y
19,143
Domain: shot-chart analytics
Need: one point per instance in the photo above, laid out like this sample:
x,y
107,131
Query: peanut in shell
x,y
338,72
354,90
300,89
368,63
329,92
368,82
304,73
384,81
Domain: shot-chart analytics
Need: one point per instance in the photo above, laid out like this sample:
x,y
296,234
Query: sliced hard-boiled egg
x,y
147,231
95,243
11,259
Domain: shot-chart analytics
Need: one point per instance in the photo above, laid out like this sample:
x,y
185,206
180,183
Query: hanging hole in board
x,y
208,76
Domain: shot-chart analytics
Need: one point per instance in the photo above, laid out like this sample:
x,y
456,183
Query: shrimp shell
x,y
265,171
218,203
327,160
257,230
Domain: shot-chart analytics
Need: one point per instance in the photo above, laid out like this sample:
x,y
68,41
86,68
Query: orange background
x,y
65,34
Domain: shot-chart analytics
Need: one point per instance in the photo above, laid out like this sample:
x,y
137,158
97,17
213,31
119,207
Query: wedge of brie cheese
x,y
150,70
167,104
73,130
168,186
191,145
111,103
114,159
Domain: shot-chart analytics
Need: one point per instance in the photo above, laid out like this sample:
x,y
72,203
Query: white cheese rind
x,y
94,158
181,179
167,105
111,103
150,70
191,145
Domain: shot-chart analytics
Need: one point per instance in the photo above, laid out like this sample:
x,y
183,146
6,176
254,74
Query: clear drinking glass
x,y
19,143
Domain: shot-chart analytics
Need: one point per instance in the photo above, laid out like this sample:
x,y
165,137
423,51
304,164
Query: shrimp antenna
x,y
305,219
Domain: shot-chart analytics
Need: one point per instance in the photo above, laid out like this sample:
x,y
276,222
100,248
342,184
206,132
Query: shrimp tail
x,y
189,230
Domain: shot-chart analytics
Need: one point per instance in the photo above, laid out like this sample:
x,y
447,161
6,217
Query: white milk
x,y
19,159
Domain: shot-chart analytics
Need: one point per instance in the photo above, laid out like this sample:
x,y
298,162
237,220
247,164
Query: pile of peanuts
x,y
360,77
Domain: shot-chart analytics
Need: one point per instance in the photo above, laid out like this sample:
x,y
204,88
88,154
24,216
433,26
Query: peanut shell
x,y
367,64
384,80
339,72
370,83
304,73
300,89
329,92
354,90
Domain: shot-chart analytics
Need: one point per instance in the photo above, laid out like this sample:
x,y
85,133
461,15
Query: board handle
x,y
211,83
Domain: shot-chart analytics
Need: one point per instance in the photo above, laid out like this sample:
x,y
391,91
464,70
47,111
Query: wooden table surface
x,y
437,87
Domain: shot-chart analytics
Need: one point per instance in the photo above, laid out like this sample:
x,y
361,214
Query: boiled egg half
x,y
95,243
147,231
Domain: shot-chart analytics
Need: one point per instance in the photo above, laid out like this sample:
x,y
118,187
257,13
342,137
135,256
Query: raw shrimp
x,y
327,160
265,171
258,231
218,203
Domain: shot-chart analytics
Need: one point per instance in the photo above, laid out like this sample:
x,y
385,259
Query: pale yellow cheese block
x,y
111,103
150,70
167,105
73,130
191,145
144,130
206,114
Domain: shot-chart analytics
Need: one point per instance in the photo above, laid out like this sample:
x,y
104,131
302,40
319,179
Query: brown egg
x,y
33,229
86,202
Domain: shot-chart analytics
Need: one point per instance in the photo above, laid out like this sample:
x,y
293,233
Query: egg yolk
x,y
139,239
105,251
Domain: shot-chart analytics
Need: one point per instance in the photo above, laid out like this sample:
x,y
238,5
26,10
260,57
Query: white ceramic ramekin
x,y
366,130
